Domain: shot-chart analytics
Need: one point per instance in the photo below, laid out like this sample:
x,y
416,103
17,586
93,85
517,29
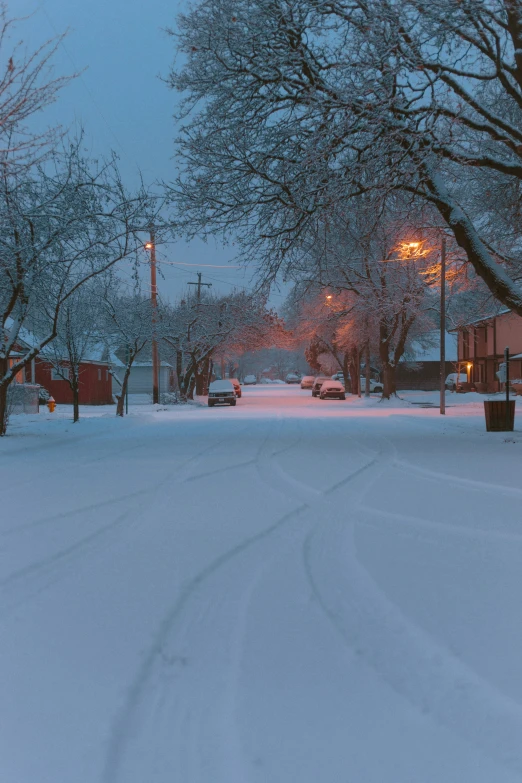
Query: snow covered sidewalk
x,y
291,590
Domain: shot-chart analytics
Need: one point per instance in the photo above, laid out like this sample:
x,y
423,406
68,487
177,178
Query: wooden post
x,y
443,327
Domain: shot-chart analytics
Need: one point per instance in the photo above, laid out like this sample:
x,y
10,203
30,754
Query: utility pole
x,y
203,384
443,326
154,300
199,284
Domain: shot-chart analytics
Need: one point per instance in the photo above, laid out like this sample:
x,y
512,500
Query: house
x,y
140,378
95,378
421,369
481,345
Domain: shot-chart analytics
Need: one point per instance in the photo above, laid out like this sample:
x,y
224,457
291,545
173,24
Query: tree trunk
x,y
4,388
76,402
367,369
389,383
123,391
346,371
191,387
358,364
179,371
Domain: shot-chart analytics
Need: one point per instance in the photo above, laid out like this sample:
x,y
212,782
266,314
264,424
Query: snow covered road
x,y
291,591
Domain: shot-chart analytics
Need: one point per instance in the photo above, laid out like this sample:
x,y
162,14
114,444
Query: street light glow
x,y
148,245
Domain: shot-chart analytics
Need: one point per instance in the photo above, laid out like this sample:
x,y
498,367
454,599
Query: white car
x,y
375,386
221,393
307,382
318,382
332,390
250,380
451,380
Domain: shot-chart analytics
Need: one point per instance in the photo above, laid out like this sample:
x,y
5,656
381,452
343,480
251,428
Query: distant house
x,y
481,345
422,368
140,378
95,378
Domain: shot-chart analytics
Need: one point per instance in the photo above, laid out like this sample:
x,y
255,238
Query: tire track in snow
x,y
149,677
48,568
66,515
447,478
417,667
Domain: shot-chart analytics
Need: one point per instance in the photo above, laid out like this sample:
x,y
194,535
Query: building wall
x,y
426,376
95,384
140,379
481,349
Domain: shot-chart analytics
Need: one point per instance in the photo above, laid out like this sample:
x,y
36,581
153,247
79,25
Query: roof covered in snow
x,y
418,353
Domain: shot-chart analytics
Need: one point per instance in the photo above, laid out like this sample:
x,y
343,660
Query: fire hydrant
x,y
51,404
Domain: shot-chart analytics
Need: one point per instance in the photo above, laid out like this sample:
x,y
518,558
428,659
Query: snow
x,y
418,353
289,590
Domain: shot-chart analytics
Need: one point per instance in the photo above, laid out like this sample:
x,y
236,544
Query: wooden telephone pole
x,y
202,381
154,300
199,284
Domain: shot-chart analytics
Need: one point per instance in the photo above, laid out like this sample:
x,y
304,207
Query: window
x,y
99,374
465,345
106,375
20,375
60,374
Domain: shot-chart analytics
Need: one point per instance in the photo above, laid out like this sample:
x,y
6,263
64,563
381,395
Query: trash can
x,y
498,417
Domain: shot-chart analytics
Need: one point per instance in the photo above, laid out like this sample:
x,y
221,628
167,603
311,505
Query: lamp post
x,y
151,246
414,246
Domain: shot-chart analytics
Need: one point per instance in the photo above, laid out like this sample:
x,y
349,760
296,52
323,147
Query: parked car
x,y
451,380
250,380
292,378
338,377
375,386
332,390
307,382
318,382
237,386
221,393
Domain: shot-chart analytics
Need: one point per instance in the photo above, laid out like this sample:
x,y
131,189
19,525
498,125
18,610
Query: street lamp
x,y
412,246
154,301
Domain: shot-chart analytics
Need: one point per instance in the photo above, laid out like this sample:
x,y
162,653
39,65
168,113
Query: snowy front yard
x,y
289,591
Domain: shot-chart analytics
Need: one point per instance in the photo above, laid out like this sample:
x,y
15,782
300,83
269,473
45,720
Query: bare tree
x,y
78,334
61,225
199,329
292,109
27,86
128,330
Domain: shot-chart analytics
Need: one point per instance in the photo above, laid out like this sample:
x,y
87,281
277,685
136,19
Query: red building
x,y
95,378
95,382
481,349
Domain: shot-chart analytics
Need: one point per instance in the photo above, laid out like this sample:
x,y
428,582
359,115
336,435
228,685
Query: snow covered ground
x,y
289,591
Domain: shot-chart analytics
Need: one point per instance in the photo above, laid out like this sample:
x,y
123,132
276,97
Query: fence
x,y
23,398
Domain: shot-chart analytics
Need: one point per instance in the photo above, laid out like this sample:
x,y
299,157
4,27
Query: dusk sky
x,y
122,50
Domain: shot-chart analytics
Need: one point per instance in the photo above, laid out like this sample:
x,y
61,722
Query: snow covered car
x,y
375,386
307,382
237,386
318,382
250,380
292,378
221,393
332,390
451,380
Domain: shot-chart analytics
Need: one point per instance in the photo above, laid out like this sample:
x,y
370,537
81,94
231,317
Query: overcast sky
x,y
123,105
